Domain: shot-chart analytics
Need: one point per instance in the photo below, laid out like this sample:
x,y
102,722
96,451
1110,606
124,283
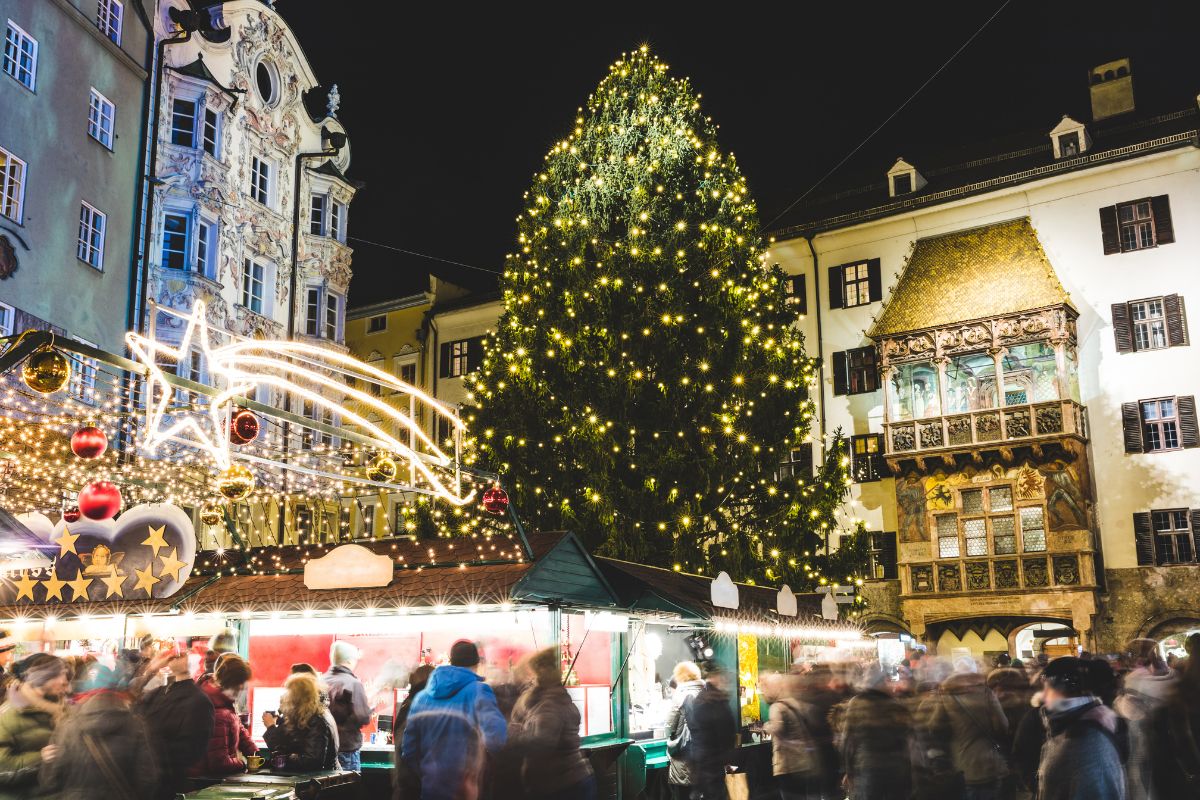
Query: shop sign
x,y
724,591
349,566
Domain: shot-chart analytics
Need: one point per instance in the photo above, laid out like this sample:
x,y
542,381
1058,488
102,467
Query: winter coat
x,y
1141,704
450,725
794,748
677,771
545,730
1081,759
104,753
349,705
875,735
229,737
714,732
26,725
1027,745
179,718
307,749
971,722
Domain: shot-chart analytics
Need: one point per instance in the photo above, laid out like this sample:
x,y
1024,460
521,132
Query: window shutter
x,y
875,280
887,554
444,360
1195,518
474,353
806,460
1109,232
840,383
1189,432
837,288
1122,330
1177,335
800,292
1131,419
1164,230
1143,538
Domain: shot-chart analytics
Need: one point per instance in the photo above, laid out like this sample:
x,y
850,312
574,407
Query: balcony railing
x,y
992,426
1020,571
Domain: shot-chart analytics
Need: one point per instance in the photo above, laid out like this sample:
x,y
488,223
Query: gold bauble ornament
x,y
382,469
46,371
236,483
211,514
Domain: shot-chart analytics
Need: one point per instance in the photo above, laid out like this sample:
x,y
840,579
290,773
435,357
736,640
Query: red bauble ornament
x,y
495,501
71,514
89,442
243,427
100,500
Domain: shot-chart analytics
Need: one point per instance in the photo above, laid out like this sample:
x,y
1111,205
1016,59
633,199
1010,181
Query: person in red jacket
x,y
230,740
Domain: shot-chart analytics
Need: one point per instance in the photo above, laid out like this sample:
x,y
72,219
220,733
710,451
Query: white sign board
x,y
724,591
349,566
785,602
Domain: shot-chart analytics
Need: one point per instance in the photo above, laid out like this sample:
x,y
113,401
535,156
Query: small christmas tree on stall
x,y
645,387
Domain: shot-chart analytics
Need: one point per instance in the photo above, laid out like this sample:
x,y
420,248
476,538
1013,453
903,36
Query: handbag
x,y
679,744
803,748
737,786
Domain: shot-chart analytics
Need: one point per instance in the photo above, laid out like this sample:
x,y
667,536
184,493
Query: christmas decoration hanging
x,y
89,442
382,469
46,371
211,514
495,501
71,514
235,483
100,500
243,427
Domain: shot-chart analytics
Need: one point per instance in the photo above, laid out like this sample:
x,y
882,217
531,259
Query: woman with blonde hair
x,y
300,740
544,729
688,683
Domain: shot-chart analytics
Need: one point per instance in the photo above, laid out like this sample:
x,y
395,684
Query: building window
x,y
407,370
316,218
902,184
83,376
108,19
377,324
332,316
855,371
368,519
261,180
12,186
337,215
856,284
883,555
1137,225
322,314
206,246
175,241
985,510
91,236
101,114
20,55
7,319
1170,536
1033,529
459,358
252,286
183,122
1160,426
1068,144
266,81
796,291
947,532
797,462
1150,324
314,438
211,133
312,311
867,456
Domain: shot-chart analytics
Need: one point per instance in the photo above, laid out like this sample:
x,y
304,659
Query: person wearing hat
x,y
347,702
1086,741
27,721
452,725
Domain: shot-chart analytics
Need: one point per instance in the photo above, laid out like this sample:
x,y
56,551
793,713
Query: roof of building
x,y
982,167
385,306
993,270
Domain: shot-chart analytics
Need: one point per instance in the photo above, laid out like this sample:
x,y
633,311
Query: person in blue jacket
x,y
452,726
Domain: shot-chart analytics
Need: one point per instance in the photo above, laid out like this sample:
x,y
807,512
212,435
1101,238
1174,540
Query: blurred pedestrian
x,y
179,718
220,643
544,731
1081,759
969,717
876,729
407,781
714,730
28,717
688,684
348,703
796,757
450,727
1179,762
323,693
1148,689
229,740
299,739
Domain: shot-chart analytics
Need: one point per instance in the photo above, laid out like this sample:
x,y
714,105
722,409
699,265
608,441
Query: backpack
x,y
679,746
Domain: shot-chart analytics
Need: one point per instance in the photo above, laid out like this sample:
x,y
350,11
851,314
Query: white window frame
x,y
102,118
206,241
249,280
337,220
110,14
317,215
333,327
856,282
8,319
83,375
187,236
262,180
12,190
193,134
13,67
210,144
459,358
381,329
407,360
318,301
312,310
87,250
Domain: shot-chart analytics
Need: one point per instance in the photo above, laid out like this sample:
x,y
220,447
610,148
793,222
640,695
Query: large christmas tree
x,y
645,384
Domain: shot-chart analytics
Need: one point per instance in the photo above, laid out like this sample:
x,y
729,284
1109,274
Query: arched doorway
x,y
986,637
1051,639
1171,631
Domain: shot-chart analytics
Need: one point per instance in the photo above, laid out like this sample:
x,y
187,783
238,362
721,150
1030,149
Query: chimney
x,y
1112,89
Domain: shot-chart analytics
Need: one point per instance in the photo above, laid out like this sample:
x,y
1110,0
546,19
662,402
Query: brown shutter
x,y
474,354
1131,419
444,360
840,383
1177,335
800,292
887,554
1164,230
1122,329
1109,231
837,287
806,460
1189,432
1195,515
875,280
1143,538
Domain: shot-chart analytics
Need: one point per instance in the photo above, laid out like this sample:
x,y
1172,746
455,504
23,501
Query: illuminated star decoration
x,y
66,542
156,539
54,586
114,582
79,586
237,368
146,579
171,565
25,586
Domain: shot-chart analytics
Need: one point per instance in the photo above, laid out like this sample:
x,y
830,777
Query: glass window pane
x,y
1150,410
1179,519
1170,436
1030,374
1000,498
972,501
948,547
914,393
1033,532
975,531
1166,408
970,383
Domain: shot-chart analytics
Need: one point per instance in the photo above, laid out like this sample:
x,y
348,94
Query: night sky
x,y
450,111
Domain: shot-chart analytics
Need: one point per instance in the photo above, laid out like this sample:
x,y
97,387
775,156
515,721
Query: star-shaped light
x,y
25,586
54,586
145,579
171,565
156,539
114,583
80,586
66,542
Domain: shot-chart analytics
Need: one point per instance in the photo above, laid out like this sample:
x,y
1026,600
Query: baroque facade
x,y
1005,343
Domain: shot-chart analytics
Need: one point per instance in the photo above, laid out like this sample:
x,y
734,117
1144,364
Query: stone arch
x,y
1012,635
879,622
1155,627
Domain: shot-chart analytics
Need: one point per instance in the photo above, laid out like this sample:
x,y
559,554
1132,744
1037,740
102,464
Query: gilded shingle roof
x,y
974,274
